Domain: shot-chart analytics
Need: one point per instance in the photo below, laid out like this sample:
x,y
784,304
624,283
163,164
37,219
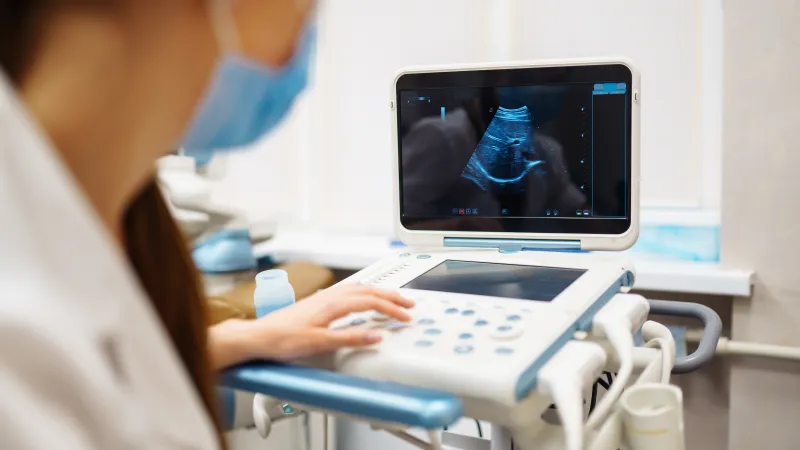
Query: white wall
x,y
760,215
665,40
330,165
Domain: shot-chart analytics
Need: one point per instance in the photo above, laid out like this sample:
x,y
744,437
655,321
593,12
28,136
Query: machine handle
x,y
346,394
712,327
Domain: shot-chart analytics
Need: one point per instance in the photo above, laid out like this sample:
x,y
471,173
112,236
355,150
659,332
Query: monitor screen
x,y
497,280
543,150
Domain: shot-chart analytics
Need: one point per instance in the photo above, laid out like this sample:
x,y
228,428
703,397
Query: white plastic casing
x,y
573,369
653,417
415,238
581,362
541,326
630,308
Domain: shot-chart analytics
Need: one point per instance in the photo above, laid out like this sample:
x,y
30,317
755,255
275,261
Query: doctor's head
x,y
173,61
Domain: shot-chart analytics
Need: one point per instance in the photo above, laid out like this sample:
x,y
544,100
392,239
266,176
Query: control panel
x,y
457,343
386,273
482,318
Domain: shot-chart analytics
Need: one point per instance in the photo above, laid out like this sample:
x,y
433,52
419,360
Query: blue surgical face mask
x,y
246,100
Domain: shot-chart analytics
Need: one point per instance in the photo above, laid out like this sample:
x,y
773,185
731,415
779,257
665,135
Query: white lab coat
x,y
84,362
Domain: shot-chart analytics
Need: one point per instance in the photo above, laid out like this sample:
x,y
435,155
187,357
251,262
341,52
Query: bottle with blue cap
x,y
273,292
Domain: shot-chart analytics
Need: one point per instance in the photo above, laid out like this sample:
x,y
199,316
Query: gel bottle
x,y
242,409
273,292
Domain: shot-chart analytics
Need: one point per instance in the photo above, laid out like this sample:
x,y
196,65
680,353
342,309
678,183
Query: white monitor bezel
x,y
607,242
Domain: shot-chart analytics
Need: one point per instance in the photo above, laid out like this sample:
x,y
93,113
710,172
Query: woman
x,y
102,337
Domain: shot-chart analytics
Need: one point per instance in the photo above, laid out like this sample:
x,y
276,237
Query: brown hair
x,y
158,252
154,244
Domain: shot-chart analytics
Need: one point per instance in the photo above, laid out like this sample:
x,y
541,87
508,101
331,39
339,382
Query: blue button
x,y
451,311
358,322
427,321
465,336
396,325
433,331
514,318
423,256
504,328
423,343
504,351
467,312
463,349
481,323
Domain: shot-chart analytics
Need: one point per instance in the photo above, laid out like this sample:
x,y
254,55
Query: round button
x,y
433,331
463,349
505,332
357,322
426,321
504,351
481,323
465,336
423,343
378,317
451,311
468,312
423,256
405,255
394,326
514,318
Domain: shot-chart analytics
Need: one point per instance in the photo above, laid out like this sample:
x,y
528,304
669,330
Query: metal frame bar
x,y
712,328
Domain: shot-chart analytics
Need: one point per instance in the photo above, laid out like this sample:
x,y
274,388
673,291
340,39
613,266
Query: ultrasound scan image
x,y
506,154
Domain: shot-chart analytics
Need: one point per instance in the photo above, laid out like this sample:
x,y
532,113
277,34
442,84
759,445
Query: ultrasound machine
x,y
507,180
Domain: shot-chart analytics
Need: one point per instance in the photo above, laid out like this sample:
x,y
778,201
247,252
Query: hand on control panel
x,y
301,330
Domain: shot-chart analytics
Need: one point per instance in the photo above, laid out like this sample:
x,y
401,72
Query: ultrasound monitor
x,y
521,150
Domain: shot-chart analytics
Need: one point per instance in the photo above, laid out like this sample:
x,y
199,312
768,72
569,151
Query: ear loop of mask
x,y
223,25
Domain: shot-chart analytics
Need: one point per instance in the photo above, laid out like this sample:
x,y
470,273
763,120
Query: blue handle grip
x,y
340,393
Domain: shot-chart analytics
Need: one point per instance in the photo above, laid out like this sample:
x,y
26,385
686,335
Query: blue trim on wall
x,y
684,243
